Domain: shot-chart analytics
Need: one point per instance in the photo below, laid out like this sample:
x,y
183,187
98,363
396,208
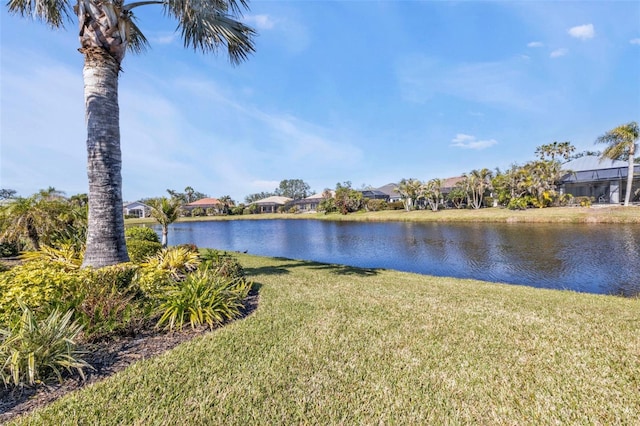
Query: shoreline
x,y
575,215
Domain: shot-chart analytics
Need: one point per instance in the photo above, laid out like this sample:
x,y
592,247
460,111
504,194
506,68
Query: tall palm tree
x,y
622,143
479,182
165,211
433,193
107,32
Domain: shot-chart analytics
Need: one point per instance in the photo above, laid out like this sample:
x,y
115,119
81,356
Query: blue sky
x,y
365,91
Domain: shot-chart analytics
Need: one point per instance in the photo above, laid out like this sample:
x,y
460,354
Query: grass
x,y
339,345
612,214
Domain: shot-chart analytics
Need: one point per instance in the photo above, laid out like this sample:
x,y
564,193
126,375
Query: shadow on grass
x,y
284,269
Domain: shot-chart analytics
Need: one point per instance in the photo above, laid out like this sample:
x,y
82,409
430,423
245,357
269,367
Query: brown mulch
x,y
107,358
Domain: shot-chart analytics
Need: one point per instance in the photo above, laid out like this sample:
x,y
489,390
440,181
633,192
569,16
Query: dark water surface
x,y
593,258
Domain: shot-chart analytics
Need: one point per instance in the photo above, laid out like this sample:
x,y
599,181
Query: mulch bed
x,y
107,357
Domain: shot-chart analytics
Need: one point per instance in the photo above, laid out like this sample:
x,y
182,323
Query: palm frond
x,y
208,25
621,141
136,41
52,12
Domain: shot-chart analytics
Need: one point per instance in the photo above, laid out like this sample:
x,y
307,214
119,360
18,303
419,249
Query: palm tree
x,y
165,211
36,218
107,31
410,190
479,182
433,193
622,145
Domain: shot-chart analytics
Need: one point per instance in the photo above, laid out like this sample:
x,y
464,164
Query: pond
x,y
593,258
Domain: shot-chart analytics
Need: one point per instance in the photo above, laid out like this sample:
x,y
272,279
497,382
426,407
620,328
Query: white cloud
x,y
583,32
261,22
470,142
558,53
535,44
635,41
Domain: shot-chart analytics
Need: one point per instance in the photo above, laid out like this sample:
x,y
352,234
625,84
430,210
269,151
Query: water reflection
x,y
588,258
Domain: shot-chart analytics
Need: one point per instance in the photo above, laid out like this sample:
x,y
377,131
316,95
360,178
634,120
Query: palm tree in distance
x,y
165,211
622,146
107,32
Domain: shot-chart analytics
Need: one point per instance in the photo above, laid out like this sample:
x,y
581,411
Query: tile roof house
x,y
205,204
604,180
449,183
271,204
311,203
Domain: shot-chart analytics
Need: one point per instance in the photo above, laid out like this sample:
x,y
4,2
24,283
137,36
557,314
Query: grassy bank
x,y
615,214
339,345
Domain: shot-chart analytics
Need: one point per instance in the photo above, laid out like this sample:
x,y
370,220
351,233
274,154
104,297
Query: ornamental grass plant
x,y
32,350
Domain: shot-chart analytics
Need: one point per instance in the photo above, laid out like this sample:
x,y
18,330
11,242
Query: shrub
x,y
68,255
141,234
178,261
520,203
202,298
198,211
396,205
221,263
33,351
140,250
584,201
376,205
35,284
105,300
190,247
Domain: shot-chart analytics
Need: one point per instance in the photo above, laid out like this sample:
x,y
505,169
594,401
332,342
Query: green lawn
x,y
340,345
596,214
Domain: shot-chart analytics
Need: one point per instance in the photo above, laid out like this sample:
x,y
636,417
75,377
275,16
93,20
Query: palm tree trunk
x,y
105,234
165,235
627,195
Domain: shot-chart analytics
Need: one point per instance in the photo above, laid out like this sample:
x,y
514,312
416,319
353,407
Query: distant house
x,y
136,209
207,204
390,191
375,194
604,180
311,203
449,184
271,204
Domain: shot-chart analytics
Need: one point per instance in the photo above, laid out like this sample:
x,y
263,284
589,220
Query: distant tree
x,y
6,194
347,199
165,211
433,193
555,150
227,203
188,196
328,203
251,198
622,145
479,182
410,190
458,195
296,189
585,154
